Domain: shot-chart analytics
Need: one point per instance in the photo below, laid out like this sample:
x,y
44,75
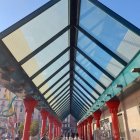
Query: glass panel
x,y
17,10
51,69
84,107
84,92
89,79
49,84
86,86
55,99
54,79
53,96
46,55
118,6
109,31
99,55
92,69
77,95
37,31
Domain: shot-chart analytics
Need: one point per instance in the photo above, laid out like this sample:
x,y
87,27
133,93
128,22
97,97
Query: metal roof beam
x,y
102,46
62,104
83,94
74,19
60,98
81,98
60,92
117,17
28,18
50,63
90,75
63,98
56,72
57,89
61,78
85,89
85,81
95,64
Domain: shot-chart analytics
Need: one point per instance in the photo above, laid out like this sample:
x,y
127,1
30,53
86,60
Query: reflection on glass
x,y
37,31
46,55
92,69
51,69
99,55
56,93
89,79
108,31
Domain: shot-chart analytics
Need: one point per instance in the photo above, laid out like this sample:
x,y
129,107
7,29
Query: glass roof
x,y
72,58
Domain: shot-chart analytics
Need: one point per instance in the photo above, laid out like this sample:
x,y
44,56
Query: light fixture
x,y
136,70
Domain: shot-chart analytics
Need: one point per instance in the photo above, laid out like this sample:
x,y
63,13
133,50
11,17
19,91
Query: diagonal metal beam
x,y
60,98
78,106
102,46
62,110
50,63
43,46
28,18
59,105
76,109
75,114
117,17
81,98
95,64
85,89
61,78
74,19
85,81
62,104
79,103
63,98
60,92
90,75
64,114
56,89
56,72
83,94
79,111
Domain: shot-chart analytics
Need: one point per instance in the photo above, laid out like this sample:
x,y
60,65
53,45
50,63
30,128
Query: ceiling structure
x,y
70,53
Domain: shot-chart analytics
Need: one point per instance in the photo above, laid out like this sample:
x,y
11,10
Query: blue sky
x,y
129,9
13,10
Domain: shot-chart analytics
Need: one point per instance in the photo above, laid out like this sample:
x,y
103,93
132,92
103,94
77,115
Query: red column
x,y
90,118
29,104
83,130
86,137
113,105
97,115
44,115
50,127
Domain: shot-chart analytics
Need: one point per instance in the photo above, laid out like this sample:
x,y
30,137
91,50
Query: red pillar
x,y
97,115
29,104
83,130
86,136
113,105
50,127
44,115
90,118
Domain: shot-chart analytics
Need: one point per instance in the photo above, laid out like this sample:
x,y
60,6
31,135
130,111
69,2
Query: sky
x,y
12,11
128,9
